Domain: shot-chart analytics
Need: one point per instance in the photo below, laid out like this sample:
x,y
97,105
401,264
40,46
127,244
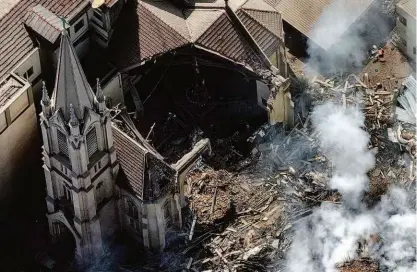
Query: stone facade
x,y
100,180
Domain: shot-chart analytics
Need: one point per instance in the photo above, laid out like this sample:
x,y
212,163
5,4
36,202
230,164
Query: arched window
x,y
67,191
92,142
62,143
100,193
132,215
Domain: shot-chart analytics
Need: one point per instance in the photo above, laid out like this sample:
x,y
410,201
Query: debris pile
x,y
361,265
240,223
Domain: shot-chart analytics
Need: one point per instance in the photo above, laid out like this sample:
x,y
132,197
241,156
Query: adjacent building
x,y
29,42
406,27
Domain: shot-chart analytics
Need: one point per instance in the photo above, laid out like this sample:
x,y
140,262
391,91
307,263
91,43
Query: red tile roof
x,y
154,27
132,159
44,22
266,39
15,43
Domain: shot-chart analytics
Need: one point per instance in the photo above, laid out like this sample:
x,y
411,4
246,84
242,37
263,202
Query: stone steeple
x,y
71,85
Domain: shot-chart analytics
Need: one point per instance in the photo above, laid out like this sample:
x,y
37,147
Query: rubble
x,y
362,265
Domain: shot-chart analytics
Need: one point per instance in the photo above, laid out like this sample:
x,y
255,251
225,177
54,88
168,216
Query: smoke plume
x,y
346,145
331,234
341,37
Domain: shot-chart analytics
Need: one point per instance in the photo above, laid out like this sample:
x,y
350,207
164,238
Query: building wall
x,y
153,221
407,33
113,90
30,69
18,144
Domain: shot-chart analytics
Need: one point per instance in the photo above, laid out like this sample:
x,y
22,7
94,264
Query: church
x,y
98,178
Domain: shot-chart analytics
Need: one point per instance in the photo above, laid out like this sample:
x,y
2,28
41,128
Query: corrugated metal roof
x,y
44,22
15,42
305,15
409,6
132,159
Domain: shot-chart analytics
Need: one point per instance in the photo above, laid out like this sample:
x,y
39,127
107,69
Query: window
x,y
100,193
3,122
92,142
19,105
97,13
403,41
81,39
167,213
133,216
28,73
402,20
67,192
62,143
414,52
273,59
132,210
79,25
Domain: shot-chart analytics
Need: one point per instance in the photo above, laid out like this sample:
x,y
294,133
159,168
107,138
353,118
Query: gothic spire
x,y
71,86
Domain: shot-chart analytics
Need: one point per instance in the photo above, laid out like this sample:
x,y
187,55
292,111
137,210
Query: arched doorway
x,y
64,247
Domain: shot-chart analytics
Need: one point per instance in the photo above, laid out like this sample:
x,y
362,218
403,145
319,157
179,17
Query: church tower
x,y
79,160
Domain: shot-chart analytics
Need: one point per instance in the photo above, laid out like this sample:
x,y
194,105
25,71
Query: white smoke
x,y
331,234
341,37
345,143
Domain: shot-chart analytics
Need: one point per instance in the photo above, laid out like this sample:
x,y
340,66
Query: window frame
x,y
29,72
65,139
95,149
79,25
402,19
132,215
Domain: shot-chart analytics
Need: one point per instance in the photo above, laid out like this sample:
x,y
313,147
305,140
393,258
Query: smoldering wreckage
x,y
335,192
331,193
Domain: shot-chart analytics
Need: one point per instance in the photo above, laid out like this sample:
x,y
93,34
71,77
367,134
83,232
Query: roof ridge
x,y
222,11
260,23
46,21
140,2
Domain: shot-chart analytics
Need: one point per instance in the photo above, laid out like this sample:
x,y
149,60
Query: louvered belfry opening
x,y
92,142
62,143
